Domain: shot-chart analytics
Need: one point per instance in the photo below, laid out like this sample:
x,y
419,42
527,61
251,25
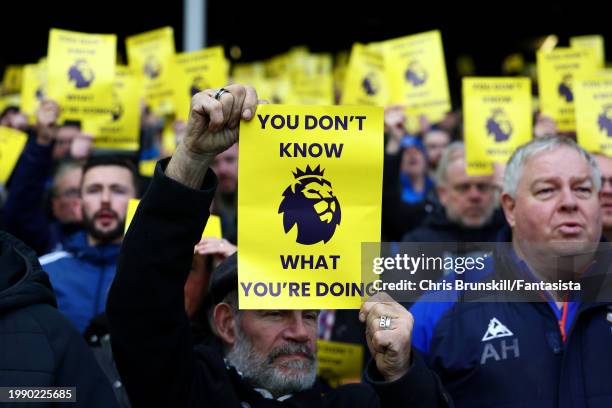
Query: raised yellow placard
x,y
594,114
11,81
151,55
311,179
196,71
416,74
12,143
33,88
81,70
596,42
120,129
212,230
365,81
497,119
339,363
557,71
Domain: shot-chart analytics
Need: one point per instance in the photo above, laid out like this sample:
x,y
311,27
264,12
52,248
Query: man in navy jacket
x,y
552,352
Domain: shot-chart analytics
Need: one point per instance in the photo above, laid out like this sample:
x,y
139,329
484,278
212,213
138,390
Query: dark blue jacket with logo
x,y
512,354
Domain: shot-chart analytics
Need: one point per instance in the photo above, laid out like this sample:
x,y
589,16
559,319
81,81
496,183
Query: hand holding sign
x,y
46,121
389,344
211,129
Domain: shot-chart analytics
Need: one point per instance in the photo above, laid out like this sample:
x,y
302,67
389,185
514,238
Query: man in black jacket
x,y
39,346
150,331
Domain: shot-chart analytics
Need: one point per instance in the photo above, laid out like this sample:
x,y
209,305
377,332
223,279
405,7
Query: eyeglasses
x,y
481,187
68,193
605,180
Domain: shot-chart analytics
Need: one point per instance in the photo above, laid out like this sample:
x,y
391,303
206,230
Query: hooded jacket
x,y
81,275
40,348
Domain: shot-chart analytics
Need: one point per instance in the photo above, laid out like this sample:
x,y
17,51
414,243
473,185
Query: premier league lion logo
x,y
152,67
565,88
198,85
604,120
81,74
370,84
310,204
416,74
499,126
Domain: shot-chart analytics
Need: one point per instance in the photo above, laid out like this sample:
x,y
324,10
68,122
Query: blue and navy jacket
x,y
81,276
515,354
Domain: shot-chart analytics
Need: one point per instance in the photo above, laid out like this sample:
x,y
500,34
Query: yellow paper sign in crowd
x,y
497,119
595,42
594,114
365,82
339,363
81,70
120,129
196,71
151,54
11,82
12,143
557,72
311,184
416,75
212,230
33,88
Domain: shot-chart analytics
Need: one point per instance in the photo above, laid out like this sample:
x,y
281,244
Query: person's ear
x,y
225,323
509,204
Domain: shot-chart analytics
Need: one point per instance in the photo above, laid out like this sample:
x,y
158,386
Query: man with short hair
x,y
82,272
605,194
544,348
259,358
435,140
468,204
23,213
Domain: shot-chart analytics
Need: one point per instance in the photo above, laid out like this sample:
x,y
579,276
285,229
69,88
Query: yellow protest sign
x,y
594,114
33,88
497,119
151,54
595,42
12,143
339,363
212,230
11,82
196,71
315,90
365,82
416,74
311,178
119,130
557,71
81,70
146,168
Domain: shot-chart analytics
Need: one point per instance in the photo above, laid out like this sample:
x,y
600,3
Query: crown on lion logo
x,y
308,172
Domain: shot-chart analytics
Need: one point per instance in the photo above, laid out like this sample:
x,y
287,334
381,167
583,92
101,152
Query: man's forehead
x,y
107,174
561,163
456,173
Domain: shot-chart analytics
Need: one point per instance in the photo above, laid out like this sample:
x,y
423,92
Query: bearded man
x,y
82,272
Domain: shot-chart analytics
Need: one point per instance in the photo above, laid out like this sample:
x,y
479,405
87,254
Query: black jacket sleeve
x,y
150,331
419,387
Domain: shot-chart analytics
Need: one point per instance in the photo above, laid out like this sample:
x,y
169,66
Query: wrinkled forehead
x,y
563,163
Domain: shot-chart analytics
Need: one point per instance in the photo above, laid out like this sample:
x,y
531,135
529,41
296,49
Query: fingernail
x,y
247,114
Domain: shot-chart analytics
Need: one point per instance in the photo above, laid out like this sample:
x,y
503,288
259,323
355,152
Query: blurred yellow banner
x,y
196,71
497,119
365,82
11,82
595,42
311,178
594,114
416,75
557,71
33,88
339,363
81,70
151,54
12,143
120,130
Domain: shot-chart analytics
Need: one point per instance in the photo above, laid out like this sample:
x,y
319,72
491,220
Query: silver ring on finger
x,y
385,322
220,92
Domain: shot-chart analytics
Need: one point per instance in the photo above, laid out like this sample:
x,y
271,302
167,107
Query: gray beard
x,y
259,371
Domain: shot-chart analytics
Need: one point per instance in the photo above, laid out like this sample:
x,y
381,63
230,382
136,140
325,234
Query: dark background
x,y
486,32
